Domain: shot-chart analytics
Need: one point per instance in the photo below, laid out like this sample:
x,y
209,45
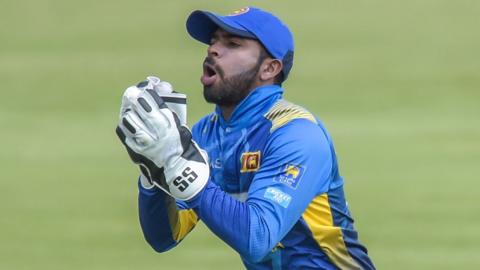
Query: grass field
x,y
396,83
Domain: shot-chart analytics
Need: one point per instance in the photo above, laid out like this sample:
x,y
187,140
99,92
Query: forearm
x,y
240,224
158,217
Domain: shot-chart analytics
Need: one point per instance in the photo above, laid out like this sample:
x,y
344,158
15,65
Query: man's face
x,y
230,70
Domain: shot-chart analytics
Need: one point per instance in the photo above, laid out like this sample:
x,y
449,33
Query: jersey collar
x,y
251,108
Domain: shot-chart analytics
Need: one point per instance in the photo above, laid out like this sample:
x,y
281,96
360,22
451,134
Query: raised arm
x,y
164,221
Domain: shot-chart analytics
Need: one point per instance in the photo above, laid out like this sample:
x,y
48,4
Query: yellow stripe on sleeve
x,y
283,112
187,219
319,219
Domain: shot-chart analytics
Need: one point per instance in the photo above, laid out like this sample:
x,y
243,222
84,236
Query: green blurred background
x,y
396,82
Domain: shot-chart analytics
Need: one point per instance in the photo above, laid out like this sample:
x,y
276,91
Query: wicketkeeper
x,y
259,171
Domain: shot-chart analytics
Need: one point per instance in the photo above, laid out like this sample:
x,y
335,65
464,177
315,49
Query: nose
x,y
213,50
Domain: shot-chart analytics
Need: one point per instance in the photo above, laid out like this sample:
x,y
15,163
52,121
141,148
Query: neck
x,y
227,111
250,110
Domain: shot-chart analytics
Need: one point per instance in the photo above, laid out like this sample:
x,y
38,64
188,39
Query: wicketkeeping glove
x,y
156,140
177,102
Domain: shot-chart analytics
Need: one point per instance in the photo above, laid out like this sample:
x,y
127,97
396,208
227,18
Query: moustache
x,y
210,61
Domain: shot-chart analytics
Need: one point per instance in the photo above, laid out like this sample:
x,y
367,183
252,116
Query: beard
x,y
232,90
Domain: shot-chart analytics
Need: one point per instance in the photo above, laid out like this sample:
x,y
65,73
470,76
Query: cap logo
x,y
239,11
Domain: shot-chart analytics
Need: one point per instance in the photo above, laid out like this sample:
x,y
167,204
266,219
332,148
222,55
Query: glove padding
x,y
163,148
177,102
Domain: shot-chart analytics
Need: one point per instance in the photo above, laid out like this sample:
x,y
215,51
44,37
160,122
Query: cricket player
x,y
259,171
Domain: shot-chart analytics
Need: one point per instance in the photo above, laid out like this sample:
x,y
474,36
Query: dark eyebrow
x,y
225,35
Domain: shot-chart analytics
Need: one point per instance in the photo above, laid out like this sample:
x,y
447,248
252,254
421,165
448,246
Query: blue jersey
x,y
274,195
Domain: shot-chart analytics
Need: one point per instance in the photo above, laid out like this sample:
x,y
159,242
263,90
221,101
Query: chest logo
x,y
250,161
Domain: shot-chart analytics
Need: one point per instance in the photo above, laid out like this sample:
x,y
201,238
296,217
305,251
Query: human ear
x,y
270,69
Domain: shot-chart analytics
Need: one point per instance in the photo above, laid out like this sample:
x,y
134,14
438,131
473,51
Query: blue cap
x,y
249,22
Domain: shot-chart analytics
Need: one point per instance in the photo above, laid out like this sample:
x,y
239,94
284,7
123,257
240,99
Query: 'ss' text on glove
x,y
156,140
176,101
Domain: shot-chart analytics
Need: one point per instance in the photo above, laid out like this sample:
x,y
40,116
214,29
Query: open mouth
x,y
209,75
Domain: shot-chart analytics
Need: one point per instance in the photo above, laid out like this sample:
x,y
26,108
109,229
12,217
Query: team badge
x,y
290,175
250,161
239,11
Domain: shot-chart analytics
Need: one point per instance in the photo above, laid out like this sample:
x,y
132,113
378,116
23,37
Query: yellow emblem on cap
x,y
239,11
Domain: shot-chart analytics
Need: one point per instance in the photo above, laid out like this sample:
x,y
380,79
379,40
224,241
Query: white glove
x,y
156,140
176,101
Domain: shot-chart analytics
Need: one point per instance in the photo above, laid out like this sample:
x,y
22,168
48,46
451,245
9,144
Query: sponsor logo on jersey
x,y
216,164
239,11
290,175
278,196
250,161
